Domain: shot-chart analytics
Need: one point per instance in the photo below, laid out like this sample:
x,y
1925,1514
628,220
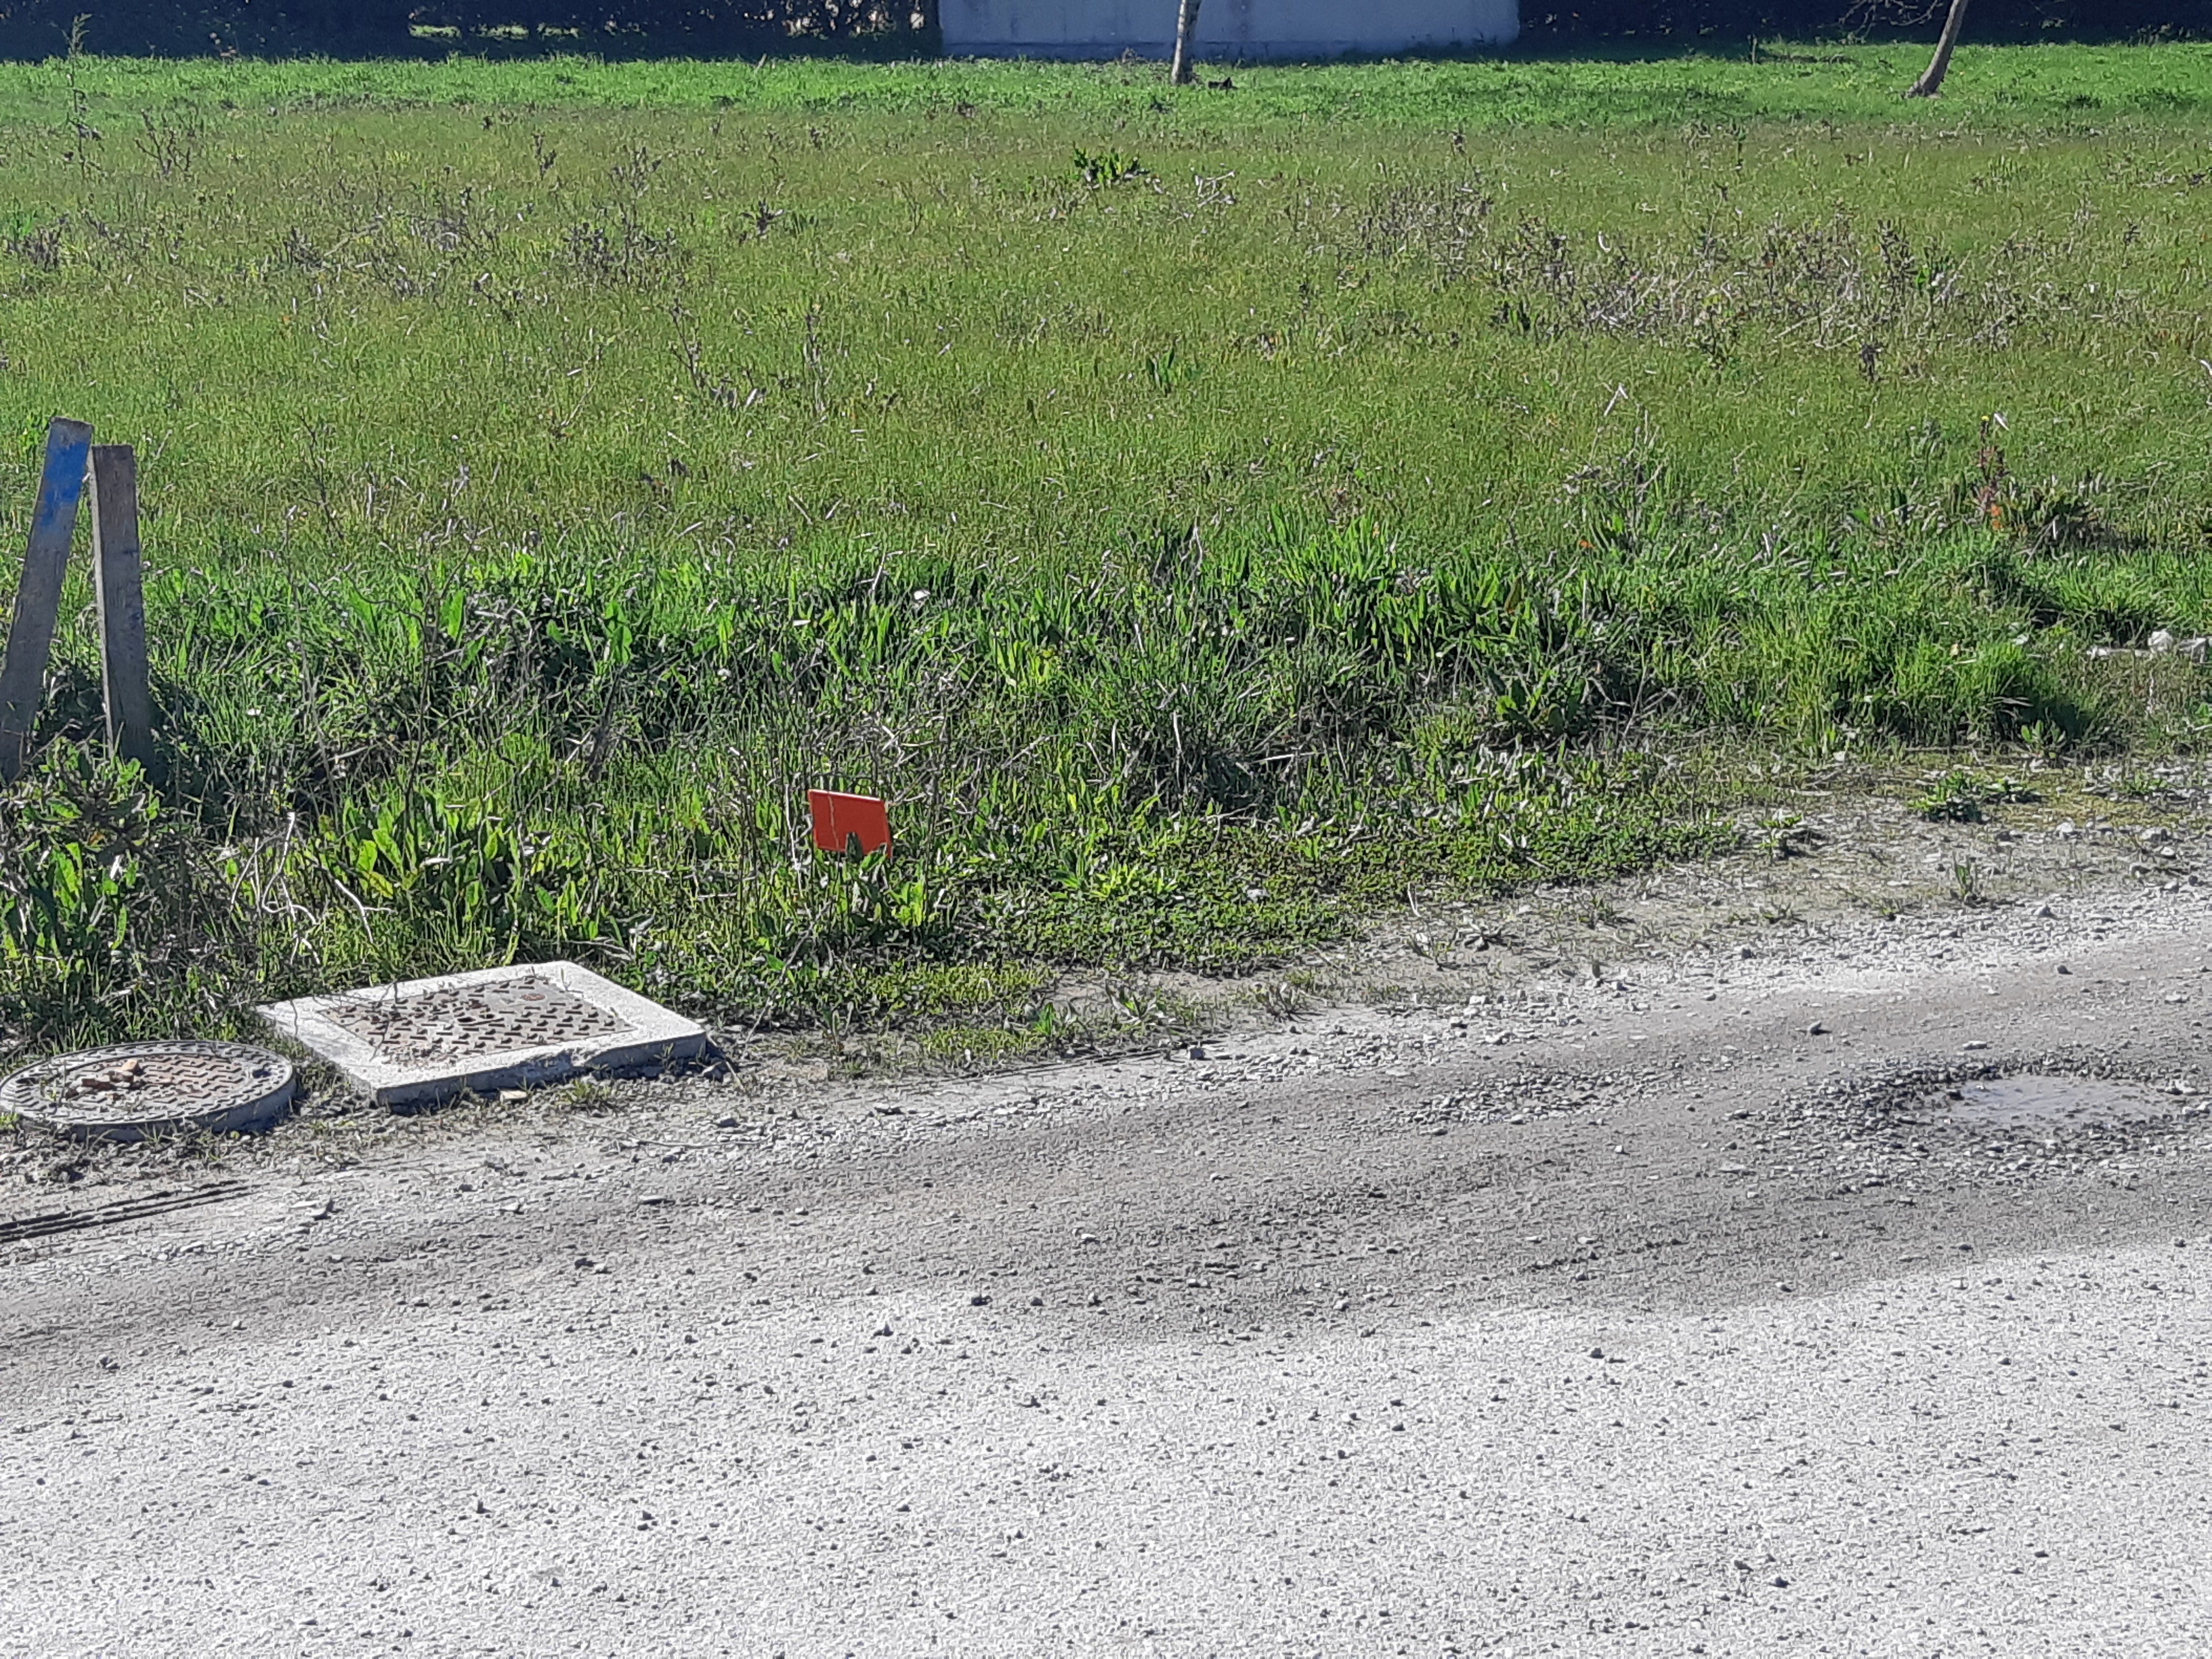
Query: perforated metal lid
x,y
466,1022
134,1089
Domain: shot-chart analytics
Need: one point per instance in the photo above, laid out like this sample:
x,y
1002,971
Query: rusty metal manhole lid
x,y
133,1090
466,1022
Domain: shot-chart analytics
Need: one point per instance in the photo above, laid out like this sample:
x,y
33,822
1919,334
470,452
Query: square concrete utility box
x,y
499,1027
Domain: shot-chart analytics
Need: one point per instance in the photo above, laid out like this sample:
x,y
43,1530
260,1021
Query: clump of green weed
x,y
588,1096
1103,167
1959,796
113,915
1955,798
1786,835
1966,883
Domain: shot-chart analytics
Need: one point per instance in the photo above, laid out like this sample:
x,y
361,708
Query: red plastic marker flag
x,y
838,819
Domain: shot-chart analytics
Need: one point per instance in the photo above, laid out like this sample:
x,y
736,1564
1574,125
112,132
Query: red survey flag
x,y
838,819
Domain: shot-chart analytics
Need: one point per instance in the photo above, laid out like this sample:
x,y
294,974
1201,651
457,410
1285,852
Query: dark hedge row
x,y
1807,19
40,28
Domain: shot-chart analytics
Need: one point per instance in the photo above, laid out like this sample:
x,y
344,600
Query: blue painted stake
x,y
39,595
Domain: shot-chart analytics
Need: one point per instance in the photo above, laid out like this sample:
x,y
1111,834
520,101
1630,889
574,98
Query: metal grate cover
x,y
512,1027
137,1089
468,1022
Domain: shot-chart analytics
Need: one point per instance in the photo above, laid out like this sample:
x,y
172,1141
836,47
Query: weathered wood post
x,y
121,587
39,594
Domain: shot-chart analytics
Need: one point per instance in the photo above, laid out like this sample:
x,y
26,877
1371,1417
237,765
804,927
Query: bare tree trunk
x,y
1187,41
1932,83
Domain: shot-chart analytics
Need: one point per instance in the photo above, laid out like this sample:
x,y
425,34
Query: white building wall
x,y
1229,30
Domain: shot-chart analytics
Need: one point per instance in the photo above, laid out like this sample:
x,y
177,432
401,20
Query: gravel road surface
x,y
1719,1308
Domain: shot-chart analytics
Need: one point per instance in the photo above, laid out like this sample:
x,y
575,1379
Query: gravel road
x,y
1710,1308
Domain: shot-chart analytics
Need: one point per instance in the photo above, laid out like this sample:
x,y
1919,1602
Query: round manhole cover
x,y
2041,1102
138,1088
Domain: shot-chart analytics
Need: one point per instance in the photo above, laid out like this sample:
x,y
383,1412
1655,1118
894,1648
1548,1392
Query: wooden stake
x,y
39,594
120,584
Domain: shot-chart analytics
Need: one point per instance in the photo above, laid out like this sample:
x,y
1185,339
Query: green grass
x,y
1206,515
2002,87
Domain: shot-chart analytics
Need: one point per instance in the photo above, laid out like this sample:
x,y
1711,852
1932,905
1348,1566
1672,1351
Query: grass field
x,y
1207,515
